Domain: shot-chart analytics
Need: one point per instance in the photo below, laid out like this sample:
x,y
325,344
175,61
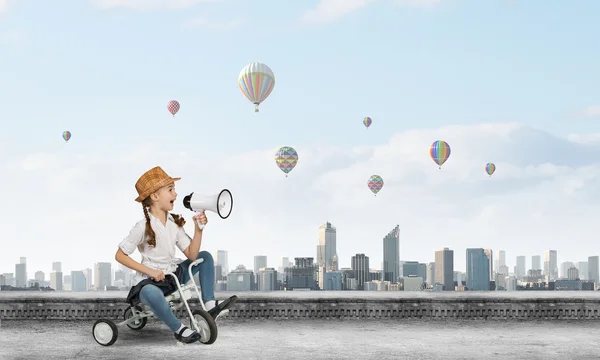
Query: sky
x,y
508,81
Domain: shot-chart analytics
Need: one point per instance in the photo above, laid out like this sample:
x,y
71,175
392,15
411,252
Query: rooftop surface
x,y
310,295
312,339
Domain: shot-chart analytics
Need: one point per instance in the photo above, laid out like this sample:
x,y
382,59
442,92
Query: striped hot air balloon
x,y
490,168
367,121
256,81
286,159
66,135
439,152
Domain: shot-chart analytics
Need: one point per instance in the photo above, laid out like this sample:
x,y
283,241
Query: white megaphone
x,y
222,204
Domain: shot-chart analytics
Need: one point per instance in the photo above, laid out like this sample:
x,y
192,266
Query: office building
x,y
360,266
536,262
593,269
327,247
521,268
102,275
478,270
551,265
222,260
444,268
391,255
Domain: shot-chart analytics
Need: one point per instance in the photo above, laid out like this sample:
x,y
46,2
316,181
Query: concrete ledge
x,y
546,305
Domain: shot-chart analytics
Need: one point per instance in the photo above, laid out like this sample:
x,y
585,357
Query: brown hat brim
x,y
156,186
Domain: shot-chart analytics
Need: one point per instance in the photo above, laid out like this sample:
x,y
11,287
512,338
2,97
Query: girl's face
x,y
165,197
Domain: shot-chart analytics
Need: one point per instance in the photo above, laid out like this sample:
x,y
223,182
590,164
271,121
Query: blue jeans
x,y
154,298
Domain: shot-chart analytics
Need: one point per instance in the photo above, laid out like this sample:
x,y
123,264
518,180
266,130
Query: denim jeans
x,y
153,297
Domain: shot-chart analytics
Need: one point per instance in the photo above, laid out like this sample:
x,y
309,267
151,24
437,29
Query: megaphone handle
x,y
200,226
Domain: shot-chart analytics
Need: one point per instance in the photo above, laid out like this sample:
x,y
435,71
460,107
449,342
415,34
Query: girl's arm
x,y
194,247
126,260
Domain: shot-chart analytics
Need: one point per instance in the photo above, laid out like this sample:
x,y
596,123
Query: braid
x,y
179,220
149,230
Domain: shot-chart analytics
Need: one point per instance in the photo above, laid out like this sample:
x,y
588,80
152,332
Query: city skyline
x,y
529,262
107,70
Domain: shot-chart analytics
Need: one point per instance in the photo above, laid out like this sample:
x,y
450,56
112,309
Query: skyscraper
x,y
593,269
78,282
57,266
360,266
431,274
536,262
284,262
564,269
260,261
327,247
102,275
391,255
582,266
521,266
222,260
444,268
551,265
478,270
490,254
21,273
501,258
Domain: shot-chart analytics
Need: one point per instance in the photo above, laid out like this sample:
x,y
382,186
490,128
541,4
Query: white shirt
x,y
162,256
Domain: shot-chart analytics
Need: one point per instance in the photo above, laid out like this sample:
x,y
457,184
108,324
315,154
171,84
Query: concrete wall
x,y
305,306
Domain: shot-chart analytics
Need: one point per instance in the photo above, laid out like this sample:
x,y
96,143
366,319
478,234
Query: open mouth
x,y
172,202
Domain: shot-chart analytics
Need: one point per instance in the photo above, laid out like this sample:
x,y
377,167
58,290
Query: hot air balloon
x,y
173,107
286,159
439,152
66,135
256,81
375,183
367,121
490,168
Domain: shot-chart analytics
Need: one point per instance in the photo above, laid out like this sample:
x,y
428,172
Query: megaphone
x,y
222,204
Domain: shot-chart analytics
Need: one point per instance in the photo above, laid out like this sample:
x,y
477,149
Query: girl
x,y
156,237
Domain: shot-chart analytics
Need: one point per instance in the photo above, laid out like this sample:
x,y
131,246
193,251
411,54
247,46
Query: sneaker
x,y
194,336
222,305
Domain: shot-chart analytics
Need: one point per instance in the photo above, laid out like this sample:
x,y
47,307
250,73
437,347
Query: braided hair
x,y
179,220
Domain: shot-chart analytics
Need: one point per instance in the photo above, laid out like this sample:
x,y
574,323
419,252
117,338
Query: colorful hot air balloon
x,y
439,152
367,121
256,81
375,183
490,168
66,135
286,159
173,107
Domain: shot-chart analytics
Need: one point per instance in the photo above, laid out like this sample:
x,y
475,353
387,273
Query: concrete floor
x,y
310,339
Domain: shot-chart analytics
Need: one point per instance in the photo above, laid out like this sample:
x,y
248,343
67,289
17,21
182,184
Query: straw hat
x,y
151,181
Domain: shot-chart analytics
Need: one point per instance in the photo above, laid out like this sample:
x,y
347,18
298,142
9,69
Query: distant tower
x,y
391,255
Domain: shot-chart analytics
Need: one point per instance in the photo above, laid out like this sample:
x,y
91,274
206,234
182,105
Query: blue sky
x,y
107,76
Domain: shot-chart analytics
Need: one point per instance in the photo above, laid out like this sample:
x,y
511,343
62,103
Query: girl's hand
x,y
157,275
200,218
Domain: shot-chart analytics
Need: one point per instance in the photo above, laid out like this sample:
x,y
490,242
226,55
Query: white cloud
x,y
148,4
591,111
208,24
13,37
419,2
64,207
4,5
328,11
331,10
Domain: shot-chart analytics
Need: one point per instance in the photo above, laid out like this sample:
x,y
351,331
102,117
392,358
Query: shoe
x,y
187,339
222,305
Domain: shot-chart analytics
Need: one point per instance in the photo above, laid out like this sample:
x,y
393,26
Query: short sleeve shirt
x,y
162,256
